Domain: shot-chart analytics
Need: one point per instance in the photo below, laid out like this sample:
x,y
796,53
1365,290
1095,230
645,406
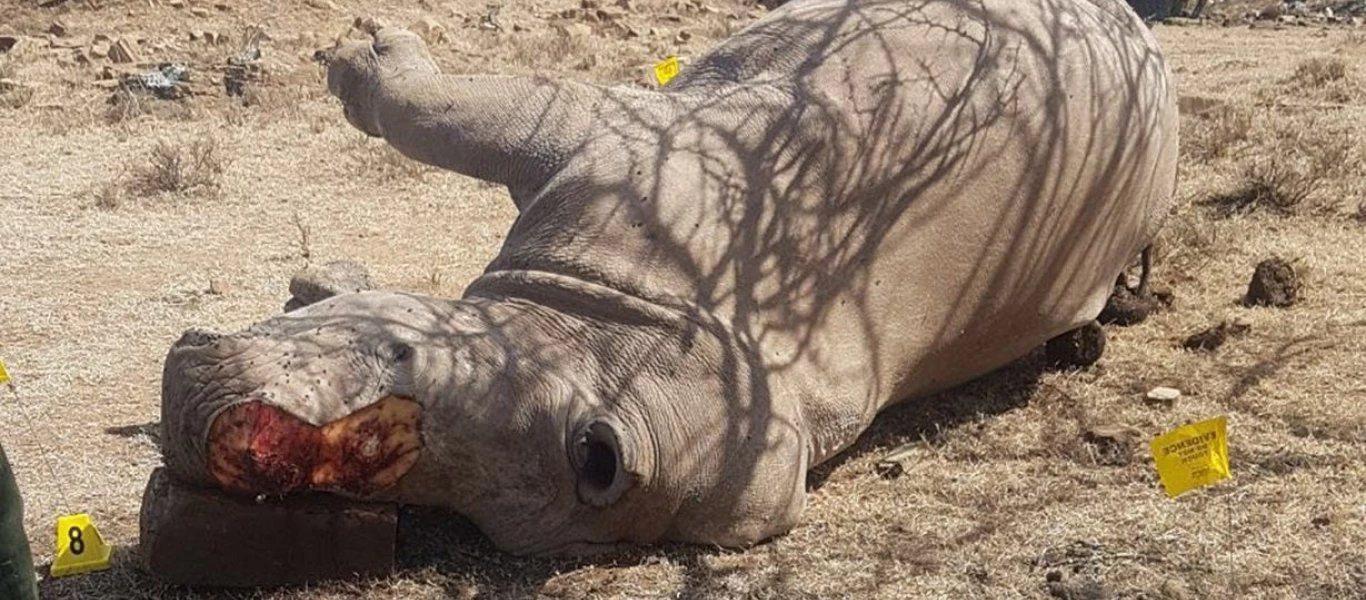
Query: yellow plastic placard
x,y
1192,456
666,70
4,375
80,548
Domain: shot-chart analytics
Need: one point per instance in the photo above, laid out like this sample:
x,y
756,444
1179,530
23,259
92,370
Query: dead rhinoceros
x,y
711,287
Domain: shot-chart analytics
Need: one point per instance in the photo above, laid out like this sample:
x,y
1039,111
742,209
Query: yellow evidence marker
x,y
666,70
80,548
1192,456
4,375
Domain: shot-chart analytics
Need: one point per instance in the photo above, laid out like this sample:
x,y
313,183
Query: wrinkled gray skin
x,y
713,287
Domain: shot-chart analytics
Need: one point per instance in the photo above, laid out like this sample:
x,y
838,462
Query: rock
x,y
58,29
122,52
683,37
575,30
314,284
8,42
1164,396
1274,283
323,5
1114,443
217,287
1175,589
176,4
624,5
99,49
1211,339
1081,347
199,11
194,536
429,30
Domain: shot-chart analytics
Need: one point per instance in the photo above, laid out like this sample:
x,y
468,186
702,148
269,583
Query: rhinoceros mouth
x,y
258,448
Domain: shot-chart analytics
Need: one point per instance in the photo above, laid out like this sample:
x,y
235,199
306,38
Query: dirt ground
x,y
123,224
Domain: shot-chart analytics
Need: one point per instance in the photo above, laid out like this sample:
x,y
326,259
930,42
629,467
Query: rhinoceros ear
x,y
601,462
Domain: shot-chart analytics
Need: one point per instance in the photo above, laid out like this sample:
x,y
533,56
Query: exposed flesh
x,y
257,448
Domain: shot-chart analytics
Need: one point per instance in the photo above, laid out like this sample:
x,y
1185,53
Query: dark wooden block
x,y
194,536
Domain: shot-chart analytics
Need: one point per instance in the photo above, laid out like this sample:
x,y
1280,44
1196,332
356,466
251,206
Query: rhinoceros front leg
x,y
513,130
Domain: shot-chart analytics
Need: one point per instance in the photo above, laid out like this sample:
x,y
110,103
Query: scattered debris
x,y
1211,339
892,465
122,52
245,66
169,81
1274,283
1162,396
489,20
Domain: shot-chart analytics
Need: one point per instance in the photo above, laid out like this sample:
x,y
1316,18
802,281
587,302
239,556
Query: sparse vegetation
x,y
1007,483
1303,158
1217,135
194,168
1324,78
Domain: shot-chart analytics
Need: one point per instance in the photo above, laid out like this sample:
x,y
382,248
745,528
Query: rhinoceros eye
x,y
596,455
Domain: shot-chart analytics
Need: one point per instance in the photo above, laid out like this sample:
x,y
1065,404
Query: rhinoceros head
x,y
513,416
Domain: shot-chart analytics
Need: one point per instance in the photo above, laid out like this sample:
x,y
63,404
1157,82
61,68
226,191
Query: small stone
x,y
199,11
194,536
1174,589
323,5
1164,396
58,29
624,4
176,4
122,52
8,42
1114,443
1274,283
683,37
1320,521
429,30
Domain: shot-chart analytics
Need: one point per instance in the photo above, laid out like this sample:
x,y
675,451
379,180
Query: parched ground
x,y
123,224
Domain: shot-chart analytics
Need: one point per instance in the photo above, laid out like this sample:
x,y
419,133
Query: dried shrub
x,y
1328,79
1300,162
1216,135
181,169
1318,72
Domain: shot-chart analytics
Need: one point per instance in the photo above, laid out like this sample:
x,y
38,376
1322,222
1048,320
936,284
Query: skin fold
x,y
712,287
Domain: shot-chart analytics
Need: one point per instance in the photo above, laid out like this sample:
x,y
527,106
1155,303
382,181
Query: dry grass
x,y
1300,161
194,168
1001,486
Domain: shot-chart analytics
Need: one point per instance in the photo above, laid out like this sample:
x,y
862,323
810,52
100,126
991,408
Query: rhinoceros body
x,y
712,287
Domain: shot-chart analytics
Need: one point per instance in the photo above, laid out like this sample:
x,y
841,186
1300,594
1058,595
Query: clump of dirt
x,y
1211,339
1128,306
1081,347
1274,283
1112,444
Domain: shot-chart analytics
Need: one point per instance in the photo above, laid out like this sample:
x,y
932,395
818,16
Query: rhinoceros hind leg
x,y
317,283
1078,348
1131,306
